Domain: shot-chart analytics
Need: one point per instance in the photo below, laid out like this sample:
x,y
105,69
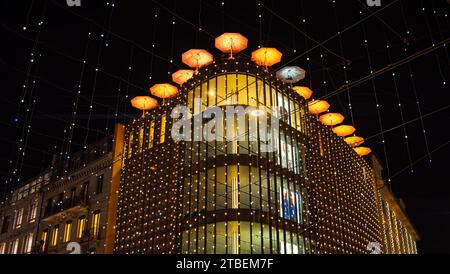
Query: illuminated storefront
x,y
311,193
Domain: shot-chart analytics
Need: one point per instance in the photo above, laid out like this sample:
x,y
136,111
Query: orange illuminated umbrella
x,y
197,58
305,92
318,106
144,103
266,56
231,43
354,141
182,76
344,130
164,91
331,119
363,151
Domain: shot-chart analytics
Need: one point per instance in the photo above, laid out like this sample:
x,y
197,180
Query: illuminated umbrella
x,y
354,141
344,130
331,119
197,58
164,91
231,43
363,151
182,76
144,103
266,56
291,74
305,92
318,106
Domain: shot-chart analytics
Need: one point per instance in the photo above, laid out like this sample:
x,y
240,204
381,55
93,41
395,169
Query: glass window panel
x,y
212,92
252,92
232,95
221,90
210,239
245,238
204,95
242,89
221,239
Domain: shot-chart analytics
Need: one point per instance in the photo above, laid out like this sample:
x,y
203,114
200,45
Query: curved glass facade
x,y
236,197
301,189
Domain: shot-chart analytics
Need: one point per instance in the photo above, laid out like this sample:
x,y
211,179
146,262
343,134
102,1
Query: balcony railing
x,y
65,205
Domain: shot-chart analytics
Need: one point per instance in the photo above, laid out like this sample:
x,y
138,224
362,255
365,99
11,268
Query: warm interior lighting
x,y
257,112
266,56
211,93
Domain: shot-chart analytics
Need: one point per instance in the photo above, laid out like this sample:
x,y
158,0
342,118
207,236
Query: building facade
x,y
19,215
75,206
398,234
310,194
276,182
68,204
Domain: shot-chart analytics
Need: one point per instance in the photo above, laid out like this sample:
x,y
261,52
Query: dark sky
x,y
120,46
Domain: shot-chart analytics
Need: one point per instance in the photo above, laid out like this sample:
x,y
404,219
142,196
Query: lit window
x,y
130,145
96,223
2,248
290,205
162,136
81,226
67,232
28,243
141,139
151,134
33,212
19,217
54,240
14,246
44,237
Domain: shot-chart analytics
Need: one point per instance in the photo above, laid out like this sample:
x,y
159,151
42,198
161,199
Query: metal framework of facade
x,y
311,194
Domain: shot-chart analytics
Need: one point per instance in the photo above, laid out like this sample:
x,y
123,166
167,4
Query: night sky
x,y
130,49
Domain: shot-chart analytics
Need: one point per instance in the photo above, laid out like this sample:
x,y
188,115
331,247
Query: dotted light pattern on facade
x,y
312,194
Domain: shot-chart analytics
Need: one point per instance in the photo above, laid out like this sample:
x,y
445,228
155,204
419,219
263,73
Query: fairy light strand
x,y
399,101
414,86
377,103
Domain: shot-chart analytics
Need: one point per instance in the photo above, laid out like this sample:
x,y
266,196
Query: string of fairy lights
x,y
26,101
377,101
344,65
152,56
29,96
109,9
438,61
400,107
